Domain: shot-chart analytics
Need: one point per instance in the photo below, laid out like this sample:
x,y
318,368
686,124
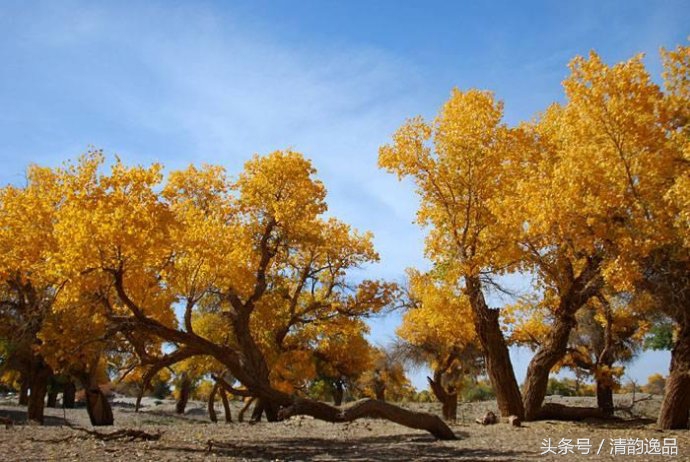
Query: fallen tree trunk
x,y
370,408
554,411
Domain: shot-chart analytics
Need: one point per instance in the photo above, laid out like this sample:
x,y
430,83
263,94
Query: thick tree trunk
x,y
212,403
38,389
551,351
258,411
52,398
226,405
185,389
373,409
24,392
605,397
98,408
69,392
495,350
338,392
448,399
675,409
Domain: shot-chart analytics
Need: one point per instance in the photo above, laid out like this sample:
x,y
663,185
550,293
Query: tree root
x,y
370,408
125,434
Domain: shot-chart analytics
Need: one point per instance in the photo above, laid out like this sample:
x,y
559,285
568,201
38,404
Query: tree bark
x,y
38,389
675,409
98,407
212,403
226,405
605,397
185,389
553,349
495,350
373,409
69,392
448,399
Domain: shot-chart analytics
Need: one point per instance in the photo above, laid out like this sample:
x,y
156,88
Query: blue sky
x,y
181,82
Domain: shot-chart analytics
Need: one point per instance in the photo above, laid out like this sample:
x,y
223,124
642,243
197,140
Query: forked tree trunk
x,y
226,405
212,403
338,392
69,392
675,409
38,389
551,351
495,350
185,389
24,392
373,409
98,407
605,396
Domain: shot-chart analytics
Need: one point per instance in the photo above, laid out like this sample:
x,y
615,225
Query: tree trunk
x,y
185,388
552,350
675,409
338,392
495,350
605,396
258,411
52,398
373,409
38,389
247,403
212,403
380,389
24,392
226,405
69,392
98,407
448,399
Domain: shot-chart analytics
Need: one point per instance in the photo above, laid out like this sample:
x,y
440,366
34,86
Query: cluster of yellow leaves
x,y
441,318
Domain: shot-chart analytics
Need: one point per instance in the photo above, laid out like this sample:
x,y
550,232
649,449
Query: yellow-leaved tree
x,y
253,254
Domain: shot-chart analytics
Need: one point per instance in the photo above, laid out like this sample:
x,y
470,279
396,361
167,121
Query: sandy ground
x,y
300,438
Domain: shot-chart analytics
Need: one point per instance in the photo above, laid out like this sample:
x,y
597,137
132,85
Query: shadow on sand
x,y
377,448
